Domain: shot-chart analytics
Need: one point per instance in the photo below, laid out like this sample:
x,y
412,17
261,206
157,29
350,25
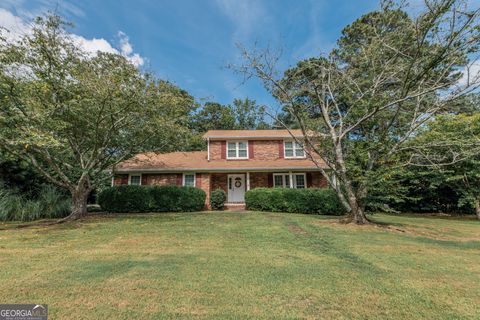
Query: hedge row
x,y
151,199
314,201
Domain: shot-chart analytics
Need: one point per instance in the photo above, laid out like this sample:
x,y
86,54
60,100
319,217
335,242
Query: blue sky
x,y
189,42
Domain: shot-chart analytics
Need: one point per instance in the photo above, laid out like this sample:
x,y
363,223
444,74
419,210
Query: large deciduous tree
x,y
73,115
390,74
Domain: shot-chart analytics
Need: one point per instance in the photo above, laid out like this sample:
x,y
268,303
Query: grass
x,y
245,266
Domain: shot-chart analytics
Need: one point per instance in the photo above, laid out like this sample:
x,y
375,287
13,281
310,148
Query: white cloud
x,y
18,27
126,49
15,25
471,75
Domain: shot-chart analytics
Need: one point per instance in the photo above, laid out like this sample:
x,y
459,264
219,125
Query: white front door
x,y
236,188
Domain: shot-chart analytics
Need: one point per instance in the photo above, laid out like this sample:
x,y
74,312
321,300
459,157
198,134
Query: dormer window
x,y
293,149
237,150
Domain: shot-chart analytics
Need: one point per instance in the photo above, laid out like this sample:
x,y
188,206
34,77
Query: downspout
x,y
208,148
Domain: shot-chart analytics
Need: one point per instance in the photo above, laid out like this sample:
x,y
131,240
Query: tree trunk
x,y
79,204
350,201
477,208
358,213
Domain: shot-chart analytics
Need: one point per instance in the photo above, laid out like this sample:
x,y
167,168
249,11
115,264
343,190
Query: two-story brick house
x,y
235,161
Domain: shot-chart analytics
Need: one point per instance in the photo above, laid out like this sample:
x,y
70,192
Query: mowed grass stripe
x,y
229,265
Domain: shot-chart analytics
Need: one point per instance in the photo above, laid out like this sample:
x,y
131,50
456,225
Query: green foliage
x,y
72,114
49,204
249,115
314,201
242,114
390,73
424,186
151,199
213,116
217,199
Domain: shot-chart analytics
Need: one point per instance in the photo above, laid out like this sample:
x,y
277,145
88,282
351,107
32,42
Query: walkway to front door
x,y
236,188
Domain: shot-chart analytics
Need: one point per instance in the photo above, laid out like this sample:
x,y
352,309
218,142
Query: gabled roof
x,y
197,161
259,134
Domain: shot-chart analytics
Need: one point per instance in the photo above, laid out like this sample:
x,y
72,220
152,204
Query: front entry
x,y
236,188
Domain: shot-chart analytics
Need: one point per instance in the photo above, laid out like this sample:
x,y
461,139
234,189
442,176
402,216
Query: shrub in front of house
x,y
217,199
151,199
312,201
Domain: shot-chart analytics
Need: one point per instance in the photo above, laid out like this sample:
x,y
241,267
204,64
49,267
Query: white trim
x,y
113,180
258,169
134,174
254,137
283,175
292,177
248,181
194,178
237,149
230,193
208,149
294,149
304,174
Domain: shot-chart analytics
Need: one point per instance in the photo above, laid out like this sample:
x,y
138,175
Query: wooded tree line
x,y
391,110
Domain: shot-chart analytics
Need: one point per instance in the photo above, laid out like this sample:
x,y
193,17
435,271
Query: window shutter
x,y
223,150
179,179
124,179
270,180
280,149
309,180
144,179
198,180
250,149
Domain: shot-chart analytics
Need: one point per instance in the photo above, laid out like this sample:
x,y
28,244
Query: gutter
x,y
215,170
251,137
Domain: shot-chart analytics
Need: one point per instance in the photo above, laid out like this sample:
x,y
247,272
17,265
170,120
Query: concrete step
x,y
235,206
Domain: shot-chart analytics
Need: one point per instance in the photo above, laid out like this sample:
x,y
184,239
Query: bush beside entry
x,y
151,199
218,198
316,201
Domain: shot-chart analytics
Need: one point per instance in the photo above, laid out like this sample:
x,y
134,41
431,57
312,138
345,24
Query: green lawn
x,y
245,266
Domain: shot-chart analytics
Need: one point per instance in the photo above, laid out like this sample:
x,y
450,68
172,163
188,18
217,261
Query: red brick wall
x,y
161,179
120,179
203,181
317,180
257,149
219,180
267,149
216,150
258,180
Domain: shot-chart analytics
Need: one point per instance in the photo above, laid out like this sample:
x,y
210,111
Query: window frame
x,y
134,175
237,150
295,146
295,185
294,178
194,179
283,180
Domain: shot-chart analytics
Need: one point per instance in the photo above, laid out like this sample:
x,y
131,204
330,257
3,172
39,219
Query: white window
x,y
135,179
189,179
293,149
282,180
299,180
237,150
